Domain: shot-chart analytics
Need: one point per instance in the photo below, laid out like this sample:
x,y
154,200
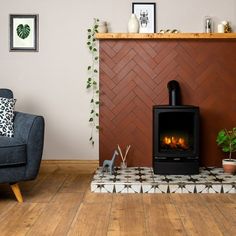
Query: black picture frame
x,y
142,10
24,32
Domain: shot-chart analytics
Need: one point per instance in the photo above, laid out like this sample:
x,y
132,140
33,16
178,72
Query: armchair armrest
x,y
30,130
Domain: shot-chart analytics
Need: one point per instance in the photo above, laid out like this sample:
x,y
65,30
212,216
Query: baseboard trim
x,y
80,166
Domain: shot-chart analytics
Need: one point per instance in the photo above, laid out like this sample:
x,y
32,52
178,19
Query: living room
x,y
51,81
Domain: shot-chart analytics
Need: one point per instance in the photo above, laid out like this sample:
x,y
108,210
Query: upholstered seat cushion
x,y
12,152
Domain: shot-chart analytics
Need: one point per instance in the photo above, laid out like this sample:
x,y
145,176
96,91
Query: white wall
x,y
52,82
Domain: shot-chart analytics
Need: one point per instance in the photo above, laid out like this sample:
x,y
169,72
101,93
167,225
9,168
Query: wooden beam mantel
x,y
166,36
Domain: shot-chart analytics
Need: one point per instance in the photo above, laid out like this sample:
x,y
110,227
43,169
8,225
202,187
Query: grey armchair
x,y
20,156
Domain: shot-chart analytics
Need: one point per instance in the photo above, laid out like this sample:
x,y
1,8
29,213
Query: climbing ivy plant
x,y
92,80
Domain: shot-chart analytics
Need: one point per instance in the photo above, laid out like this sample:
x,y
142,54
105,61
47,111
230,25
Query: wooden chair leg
x,y
16,190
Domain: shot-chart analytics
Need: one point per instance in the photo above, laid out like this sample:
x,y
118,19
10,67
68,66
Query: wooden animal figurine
x,y
109,164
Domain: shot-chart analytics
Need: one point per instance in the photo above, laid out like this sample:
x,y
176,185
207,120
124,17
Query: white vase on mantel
x,y
133,24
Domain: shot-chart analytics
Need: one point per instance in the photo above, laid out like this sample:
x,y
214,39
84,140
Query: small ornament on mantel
x,y
168,31
102,27
227,27
220,28
133,24
208,24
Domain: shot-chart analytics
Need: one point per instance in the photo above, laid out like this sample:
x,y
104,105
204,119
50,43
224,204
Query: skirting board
x,y
80,166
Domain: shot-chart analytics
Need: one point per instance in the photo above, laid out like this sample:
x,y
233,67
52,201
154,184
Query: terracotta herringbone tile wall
x,y
133,78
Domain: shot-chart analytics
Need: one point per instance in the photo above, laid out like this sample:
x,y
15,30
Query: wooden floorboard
x,y
60,203
91,219
163,218
20,218
126,216
57,217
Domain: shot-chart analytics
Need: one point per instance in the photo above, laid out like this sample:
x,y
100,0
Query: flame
x,y
174,142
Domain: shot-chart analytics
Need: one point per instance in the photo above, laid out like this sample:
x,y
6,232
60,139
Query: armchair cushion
x,y
12,152
6,116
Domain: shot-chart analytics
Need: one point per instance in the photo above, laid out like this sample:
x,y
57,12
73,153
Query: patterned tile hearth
x,y
143,180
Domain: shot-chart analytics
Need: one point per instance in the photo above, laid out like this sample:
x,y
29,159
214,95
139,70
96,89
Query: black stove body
x,y
175,136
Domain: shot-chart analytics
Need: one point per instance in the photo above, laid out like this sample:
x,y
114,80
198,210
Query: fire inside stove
x,y
174,143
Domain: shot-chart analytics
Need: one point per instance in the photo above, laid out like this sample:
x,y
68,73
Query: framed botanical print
x,y
24,32
146,14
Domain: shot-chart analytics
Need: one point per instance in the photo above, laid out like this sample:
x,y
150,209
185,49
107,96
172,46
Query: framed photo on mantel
x,y
146,14
24,32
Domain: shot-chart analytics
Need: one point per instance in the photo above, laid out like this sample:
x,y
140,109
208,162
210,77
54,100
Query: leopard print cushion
x,y
6,116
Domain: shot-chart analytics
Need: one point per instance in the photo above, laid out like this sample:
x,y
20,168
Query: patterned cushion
x,y
6,116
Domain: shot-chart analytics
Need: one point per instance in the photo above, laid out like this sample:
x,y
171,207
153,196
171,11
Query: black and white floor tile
x,y
143,180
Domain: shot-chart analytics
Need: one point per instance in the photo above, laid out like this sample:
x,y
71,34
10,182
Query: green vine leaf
x,y
92,80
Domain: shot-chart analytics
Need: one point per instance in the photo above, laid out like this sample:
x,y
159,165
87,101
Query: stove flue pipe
x,y
174,93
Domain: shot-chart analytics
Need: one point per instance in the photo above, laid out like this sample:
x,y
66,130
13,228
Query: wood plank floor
x,y
59,202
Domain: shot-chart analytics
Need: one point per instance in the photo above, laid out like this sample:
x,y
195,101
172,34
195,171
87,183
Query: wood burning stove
x,y
175,136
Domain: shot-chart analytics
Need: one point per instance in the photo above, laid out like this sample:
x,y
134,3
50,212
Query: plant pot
x,y
102,27
229,166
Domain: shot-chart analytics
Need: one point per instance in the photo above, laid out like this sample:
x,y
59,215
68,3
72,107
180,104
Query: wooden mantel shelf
x,y
165,36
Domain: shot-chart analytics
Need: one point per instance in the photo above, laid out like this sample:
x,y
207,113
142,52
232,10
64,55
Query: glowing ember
x,y
174,142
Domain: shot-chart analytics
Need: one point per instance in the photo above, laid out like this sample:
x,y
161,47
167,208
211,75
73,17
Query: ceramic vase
x,y
133,24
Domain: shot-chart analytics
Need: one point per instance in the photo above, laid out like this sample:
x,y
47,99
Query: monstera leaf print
x,y
23,31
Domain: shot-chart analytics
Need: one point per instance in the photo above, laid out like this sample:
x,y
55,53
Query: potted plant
x,y
226,139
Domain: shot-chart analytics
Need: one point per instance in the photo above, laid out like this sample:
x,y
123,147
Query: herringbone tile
x,y
134,76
